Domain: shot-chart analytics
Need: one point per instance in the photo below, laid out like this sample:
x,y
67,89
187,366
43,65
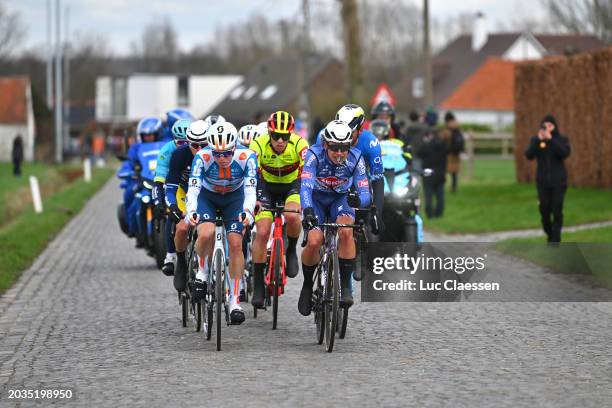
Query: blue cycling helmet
x,y
179,129
177,114
147,126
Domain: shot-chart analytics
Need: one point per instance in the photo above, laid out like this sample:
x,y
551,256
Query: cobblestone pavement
x,y
93,315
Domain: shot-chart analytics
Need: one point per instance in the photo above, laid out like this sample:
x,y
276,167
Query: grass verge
x,y
28,234
494,201
588,258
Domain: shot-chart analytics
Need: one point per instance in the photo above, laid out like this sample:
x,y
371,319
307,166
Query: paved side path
x,y
93,315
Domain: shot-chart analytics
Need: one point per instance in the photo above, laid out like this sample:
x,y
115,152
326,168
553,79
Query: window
x,y
236,92
268,92
183,91
250,92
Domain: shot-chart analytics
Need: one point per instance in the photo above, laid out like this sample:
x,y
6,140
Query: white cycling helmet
x,y
222,136
196,133
247,133
353,115
263,127
212,119
338,131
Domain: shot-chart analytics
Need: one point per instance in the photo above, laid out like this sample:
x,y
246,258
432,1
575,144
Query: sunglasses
x,y
181,142
227,153
275,136
196,146
339,147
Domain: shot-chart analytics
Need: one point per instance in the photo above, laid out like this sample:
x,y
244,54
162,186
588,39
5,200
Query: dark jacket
x,y
17,153
550,155
433,152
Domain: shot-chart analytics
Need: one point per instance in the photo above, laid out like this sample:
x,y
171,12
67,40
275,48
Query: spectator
x,y
317,125
432,150
17,155
456,144
550,148
414,134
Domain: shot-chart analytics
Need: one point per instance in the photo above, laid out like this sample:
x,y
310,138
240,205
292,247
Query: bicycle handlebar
x,y
332,225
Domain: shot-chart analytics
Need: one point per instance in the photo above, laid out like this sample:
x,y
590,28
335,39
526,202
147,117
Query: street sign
x,y
383,94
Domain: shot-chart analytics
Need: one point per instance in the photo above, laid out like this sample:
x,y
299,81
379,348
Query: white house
x,y
16,116
129,99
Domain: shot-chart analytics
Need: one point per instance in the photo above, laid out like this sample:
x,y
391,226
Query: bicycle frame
x,y
277,239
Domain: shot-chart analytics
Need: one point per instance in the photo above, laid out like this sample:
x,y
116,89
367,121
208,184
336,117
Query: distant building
x,y
16,116
467,58
129,98
273,84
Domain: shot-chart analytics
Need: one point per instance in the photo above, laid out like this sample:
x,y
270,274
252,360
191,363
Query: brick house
x,y
16,116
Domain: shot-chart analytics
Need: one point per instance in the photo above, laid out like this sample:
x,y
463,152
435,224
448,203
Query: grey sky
x,y
122,21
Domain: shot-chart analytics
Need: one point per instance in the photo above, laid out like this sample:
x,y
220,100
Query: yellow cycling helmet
x,y
280,122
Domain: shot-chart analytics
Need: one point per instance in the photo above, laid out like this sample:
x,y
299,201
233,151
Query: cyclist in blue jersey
x,y
369,147
334,182
172,116
141,161
222,177
177,180
179,130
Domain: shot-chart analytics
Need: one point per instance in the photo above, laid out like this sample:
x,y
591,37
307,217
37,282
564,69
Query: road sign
x,y
383,94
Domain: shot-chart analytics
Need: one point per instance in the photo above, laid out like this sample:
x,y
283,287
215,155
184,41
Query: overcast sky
x,y
122,21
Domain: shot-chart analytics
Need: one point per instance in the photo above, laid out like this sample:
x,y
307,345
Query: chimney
x,y
479,35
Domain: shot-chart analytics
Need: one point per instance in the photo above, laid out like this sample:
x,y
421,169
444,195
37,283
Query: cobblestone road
x,y
93,315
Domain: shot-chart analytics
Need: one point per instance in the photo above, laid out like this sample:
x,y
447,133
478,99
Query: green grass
x,y
12,187
27,236
493,201
591,259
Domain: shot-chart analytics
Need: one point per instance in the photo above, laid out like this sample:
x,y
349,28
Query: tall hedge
x,y
577,90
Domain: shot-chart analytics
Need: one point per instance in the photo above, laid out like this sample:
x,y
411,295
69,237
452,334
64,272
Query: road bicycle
x,y
275,278
329,317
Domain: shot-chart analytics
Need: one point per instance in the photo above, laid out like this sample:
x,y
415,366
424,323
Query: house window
x,y
183,91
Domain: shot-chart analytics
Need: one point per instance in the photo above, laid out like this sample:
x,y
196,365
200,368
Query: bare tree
x,y
582,16
11,31
158,46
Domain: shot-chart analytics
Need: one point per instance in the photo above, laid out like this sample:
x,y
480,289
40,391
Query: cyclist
x,y
212,119
178,178
222,177
142,160
172,116
385,111
369,147
179,130
280,155
330,171
247,133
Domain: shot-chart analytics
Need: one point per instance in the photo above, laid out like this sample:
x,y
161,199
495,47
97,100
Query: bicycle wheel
x,y
318,307
209,320
219,295
342,321
277,282
331,303
184,309
197,315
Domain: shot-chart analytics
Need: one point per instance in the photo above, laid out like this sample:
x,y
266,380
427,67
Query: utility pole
x,y
352,51
305,91
427,56
49,58
58,86
67,46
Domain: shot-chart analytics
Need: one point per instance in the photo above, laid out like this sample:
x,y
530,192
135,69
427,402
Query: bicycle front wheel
x,y
219,294
331,303
276,286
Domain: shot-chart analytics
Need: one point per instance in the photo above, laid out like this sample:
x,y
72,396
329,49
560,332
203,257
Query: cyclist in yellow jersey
x,y
280,156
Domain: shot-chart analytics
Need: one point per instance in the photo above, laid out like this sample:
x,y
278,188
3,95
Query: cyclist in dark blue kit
x,y
331,170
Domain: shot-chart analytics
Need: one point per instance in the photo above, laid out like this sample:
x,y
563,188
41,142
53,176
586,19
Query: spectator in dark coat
x,y
17,155
550,148
433,150
455,143
413,136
